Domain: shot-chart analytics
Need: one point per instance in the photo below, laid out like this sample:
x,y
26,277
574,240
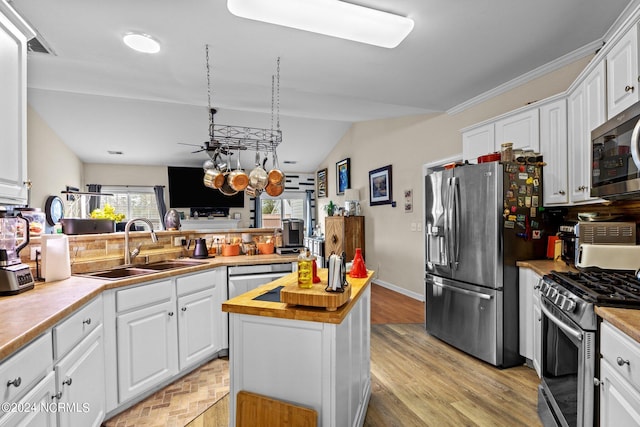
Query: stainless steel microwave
x,y
615,156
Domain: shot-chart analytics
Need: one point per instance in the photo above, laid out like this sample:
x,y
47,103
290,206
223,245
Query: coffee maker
x,y
292,236
15,276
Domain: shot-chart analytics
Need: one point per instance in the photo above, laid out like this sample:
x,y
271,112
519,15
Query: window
x,y
134,202
275,210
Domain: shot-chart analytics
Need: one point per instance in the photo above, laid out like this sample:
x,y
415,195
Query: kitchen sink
x,y
168,265
121,272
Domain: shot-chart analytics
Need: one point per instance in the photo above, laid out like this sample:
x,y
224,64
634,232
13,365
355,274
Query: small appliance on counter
x,y
292,236
15,276
575,233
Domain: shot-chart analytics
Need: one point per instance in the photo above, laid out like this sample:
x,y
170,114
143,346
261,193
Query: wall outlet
x,y
177,241
419,226
413,226
32,254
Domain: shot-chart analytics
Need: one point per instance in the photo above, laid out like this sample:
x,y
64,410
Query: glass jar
x,y
506,152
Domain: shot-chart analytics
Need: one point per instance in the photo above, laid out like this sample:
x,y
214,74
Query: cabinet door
x,y
334,232
578,144
522,129
38,397
537,327
147,348
13,113
198,327
525,315
619,401
553,145
622,73
80,381
478,142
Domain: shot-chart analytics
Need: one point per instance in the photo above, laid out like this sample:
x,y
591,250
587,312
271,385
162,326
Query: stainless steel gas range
x,y
567,395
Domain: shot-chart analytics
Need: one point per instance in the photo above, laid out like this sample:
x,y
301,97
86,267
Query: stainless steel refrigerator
x,y
480,219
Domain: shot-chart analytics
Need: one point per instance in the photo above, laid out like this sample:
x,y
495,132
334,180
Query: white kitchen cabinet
x,y
529,317
553,143
622,73
477,142
38,397
14,34
201,323
80,381
147,337
619,378
522,129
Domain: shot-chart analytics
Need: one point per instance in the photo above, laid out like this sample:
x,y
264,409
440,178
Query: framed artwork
x,y
380,190
321,183
408,200
343,176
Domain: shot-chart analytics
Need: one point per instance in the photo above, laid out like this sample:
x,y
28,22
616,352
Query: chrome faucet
x,y
128,256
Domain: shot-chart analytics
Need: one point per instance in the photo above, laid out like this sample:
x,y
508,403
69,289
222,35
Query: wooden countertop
x,y
544,266
25,316
625,319
245,304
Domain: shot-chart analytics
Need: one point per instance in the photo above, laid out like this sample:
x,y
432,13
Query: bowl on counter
x,y
265,248
232,249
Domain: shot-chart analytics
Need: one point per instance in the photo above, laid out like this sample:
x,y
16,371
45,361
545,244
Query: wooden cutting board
x,y
315,296
257,410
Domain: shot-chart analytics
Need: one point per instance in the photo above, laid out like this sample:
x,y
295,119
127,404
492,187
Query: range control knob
x,y
560,300
568,305
552,293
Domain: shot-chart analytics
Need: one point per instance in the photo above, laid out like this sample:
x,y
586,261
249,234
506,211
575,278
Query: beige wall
x,y
51,165
407,143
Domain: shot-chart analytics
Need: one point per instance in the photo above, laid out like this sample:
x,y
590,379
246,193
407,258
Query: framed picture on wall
x,y
321,183
380,190
343,177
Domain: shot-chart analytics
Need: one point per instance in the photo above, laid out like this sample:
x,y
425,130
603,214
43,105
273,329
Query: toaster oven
x,y
573,234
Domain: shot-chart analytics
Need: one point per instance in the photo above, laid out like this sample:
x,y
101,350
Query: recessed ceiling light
x,y
330,17
115,153
141,42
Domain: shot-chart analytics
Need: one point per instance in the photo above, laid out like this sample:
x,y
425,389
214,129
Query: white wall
x,y
407,143
51,165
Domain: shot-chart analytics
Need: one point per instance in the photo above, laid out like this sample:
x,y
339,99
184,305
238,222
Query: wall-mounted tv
x,y
187,190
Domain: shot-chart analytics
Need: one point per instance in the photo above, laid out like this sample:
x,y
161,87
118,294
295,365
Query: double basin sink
x,y
122,272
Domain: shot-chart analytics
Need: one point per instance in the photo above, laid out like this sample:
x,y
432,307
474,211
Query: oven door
x,y
566,395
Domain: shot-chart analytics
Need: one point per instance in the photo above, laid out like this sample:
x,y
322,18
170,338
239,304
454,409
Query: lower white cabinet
x,y
530,318
80,383
38,400
163,329
619,378
147,341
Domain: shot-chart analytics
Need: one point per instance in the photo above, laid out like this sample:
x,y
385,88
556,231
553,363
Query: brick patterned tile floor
x,y
181,401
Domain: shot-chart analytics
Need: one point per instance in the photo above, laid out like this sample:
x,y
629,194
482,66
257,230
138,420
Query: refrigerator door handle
x,y
456,222
448,216
463,291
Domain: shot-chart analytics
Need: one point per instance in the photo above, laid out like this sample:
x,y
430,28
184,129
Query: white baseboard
x,y
399,290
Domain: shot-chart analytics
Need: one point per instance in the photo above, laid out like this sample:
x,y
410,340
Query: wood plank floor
x,y
417,380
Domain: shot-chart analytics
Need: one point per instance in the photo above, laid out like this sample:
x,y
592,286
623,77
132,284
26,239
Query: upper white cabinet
x,y
478,142
622,73
522,129
14,34
585,111
553,143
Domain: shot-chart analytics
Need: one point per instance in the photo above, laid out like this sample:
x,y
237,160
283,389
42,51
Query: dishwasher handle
x,y
272,276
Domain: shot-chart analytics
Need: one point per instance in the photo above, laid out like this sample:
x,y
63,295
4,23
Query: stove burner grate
x,y
614,288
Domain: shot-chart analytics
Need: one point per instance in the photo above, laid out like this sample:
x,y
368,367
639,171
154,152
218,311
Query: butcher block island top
x,y
247,304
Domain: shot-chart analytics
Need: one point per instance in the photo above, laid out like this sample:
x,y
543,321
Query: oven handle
x,y
273,276
635,144
463,291
568,329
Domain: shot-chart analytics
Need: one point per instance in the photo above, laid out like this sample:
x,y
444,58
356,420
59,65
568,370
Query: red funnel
x,y
358,269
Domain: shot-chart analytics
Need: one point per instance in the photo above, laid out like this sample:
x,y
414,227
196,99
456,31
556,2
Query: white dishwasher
x,y
247,277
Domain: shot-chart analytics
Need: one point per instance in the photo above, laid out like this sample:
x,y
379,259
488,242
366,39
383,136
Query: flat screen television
x,y
187,190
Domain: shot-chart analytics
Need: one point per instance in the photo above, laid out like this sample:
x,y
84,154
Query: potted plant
x,y
330,208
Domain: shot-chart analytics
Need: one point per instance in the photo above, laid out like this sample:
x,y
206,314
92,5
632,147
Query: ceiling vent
x,y
38,45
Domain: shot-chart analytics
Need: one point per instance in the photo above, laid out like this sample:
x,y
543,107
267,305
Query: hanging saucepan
x,y
225,188
238,179
258,177
275,174
212,175
274,190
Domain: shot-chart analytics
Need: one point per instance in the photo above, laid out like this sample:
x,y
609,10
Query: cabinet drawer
x,y
195,282
140,296
618,349
71,331
26,368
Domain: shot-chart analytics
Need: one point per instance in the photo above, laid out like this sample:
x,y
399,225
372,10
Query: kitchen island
x,y
305,356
